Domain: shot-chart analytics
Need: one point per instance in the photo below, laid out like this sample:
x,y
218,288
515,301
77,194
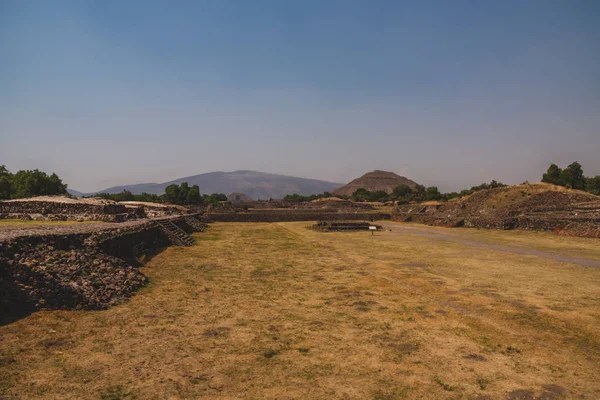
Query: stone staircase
x,y
175,233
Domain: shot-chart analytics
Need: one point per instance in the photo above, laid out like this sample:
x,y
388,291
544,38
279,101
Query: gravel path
x,y
455,237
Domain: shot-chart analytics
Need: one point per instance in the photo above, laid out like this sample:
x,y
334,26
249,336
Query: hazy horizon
x,y
447,94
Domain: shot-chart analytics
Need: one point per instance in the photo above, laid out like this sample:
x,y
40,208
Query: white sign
x,y
372,228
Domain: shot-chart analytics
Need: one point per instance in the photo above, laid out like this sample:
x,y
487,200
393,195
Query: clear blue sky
x,y
448,93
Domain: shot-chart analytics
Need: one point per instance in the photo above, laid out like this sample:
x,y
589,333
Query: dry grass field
x,y
277,311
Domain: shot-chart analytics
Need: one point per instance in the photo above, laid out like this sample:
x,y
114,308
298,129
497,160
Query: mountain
x,y
257,185
375,180
75,192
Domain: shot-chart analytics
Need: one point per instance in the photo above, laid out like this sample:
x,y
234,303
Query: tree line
x,y
181,194
401,194
299,198
572,177
404,194
29,183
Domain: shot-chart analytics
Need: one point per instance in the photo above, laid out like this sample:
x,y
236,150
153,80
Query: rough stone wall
x,y
328,226
195,223
290,215
90,270
44,208
68,210
581,222
131,244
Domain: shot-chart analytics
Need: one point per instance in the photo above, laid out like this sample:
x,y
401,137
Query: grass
x,y
280,311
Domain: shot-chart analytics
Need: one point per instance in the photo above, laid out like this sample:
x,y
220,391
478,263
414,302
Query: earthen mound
x,y
538,206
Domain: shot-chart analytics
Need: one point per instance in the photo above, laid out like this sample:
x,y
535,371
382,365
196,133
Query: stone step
x,y
179,234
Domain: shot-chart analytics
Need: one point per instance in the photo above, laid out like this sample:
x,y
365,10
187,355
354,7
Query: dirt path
x,y
455,237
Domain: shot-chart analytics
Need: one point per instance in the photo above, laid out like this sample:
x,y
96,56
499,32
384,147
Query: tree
x,y
5,183
401,191
593,185
27,183
214,199
172,194
361,195
572,176
419,193
553,175
432,193
184,188
193,195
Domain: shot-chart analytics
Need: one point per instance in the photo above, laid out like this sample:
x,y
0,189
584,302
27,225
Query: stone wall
x,y
133,245
46,207
91,270
583,224
293,215
344,226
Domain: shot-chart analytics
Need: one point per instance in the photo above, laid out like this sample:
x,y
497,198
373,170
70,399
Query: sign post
x,y
372,229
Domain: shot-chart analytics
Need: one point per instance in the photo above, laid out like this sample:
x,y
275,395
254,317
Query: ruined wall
x,y
583,224
44,207
90,270
131,244
61,272
290,215
67,209
196,223
343,226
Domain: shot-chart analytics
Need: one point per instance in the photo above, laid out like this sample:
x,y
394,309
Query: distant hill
x,y
376,180
256,185
75,192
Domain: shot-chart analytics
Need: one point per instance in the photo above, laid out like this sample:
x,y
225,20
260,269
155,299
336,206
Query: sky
x,y
447,93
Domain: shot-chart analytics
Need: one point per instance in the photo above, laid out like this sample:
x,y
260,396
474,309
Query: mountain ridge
x,y
254,184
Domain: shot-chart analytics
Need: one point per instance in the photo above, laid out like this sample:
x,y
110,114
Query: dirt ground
x,y
278,311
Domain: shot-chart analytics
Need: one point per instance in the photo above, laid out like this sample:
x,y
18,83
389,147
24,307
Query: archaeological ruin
x,y
81,266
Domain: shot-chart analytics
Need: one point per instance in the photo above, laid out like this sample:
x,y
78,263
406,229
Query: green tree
x,y
401,191
172,194
184,188
360,195
593,185
125,195
572,176
27,183
553,175
432,193
5,183
193,195
214,199
419,193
